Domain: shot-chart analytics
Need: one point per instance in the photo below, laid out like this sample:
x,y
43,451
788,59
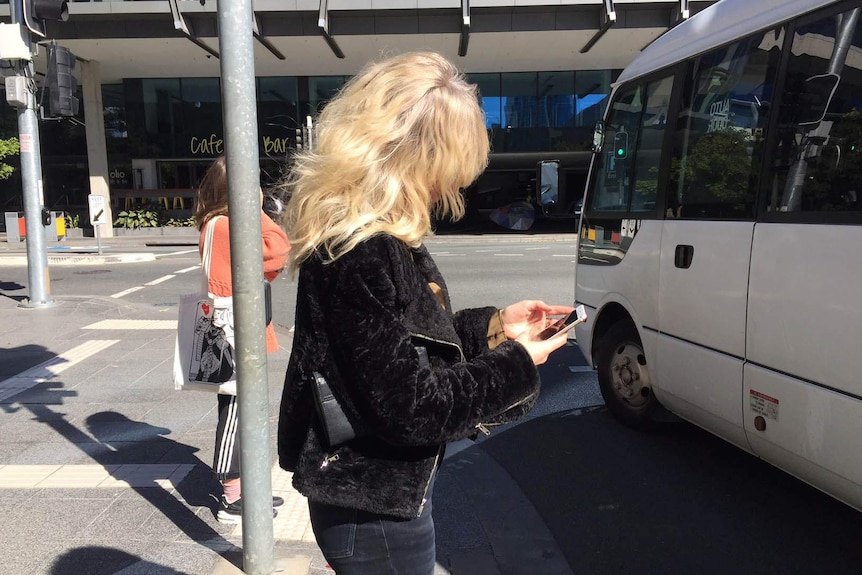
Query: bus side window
x,y
719,134
613,183
649,148
817,166
627,180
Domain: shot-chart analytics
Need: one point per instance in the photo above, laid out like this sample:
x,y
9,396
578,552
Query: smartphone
x,y
565,324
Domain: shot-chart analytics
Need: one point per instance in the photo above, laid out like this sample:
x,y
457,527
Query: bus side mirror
x,y
816,97
598,137
548,182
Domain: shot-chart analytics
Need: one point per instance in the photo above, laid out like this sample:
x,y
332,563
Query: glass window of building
x,y
163,112
519,92
202,113
555,109
556,99
321,89
278,115
490,97
114,110
519,99
592,88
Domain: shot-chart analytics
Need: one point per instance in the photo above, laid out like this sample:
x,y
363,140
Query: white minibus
x,y
720,243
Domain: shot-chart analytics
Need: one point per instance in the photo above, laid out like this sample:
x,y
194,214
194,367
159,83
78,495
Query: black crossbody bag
x,y
336,427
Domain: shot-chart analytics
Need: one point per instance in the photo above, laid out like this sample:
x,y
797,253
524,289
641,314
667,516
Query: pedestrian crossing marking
x,y
167,476
133,324
47,370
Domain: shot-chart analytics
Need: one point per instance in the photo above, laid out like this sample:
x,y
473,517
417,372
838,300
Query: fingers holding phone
x,y
541,345
564,324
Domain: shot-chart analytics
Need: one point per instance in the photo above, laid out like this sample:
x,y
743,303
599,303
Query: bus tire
x,y
624,378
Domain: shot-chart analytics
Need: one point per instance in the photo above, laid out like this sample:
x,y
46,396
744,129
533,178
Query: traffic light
x,y
37,11
621,145
61,83
299,138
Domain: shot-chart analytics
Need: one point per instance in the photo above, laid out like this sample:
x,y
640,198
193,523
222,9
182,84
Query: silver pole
x,y
239,103
31,178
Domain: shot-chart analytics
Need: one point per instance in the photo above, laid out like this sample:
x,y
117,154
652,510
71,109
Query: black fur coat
x,y
359,322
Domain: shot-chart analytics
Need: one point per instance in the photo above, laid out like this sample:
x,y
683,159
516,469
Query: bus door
x,y
708,230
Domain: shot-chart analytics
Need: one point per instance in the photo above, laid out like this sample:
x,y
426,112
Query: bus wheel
x,y
624,377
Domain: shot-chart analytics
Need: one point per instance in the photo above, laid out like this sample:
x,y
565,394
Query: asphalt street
x,y
566,490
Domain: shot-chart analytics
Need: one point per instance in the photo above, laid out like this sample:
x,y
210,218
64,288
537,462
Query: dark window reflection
x,y
115,111
818,162
719,144
202,113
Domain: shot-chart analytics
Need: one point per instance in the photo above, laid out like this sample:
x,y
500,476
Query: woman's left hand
x,y
529,316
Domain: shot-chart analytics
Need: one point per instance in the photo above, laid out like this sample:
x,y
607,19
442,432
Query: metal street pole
x,y
239,110
31,178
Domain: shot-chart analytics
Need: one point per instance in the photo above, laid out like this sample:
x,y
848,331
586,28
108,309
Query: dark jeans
x,y
361,543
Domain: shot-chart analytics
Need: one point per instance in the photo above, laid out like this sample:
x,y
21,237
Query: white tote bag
x,y
204,356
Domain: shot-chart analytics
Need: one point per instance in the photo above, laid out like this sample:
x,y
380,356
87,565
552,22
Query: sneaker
x,y
232,512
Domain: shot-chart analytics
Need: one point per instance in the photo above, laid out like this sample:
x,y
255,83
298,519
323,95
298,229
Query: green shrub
x,y
73,221
181,223
137,218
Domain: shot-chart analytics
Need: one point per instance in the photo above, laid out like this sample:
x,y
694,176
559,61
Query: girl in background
x,y
212,210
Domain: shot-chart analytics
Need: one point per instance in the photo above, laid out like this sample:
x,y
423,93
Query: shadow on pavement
x,y
96,560
675,500
123,441
12,286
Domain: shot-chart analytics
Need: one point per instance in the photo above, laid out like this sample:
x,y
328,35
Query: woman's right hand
x,y
540,349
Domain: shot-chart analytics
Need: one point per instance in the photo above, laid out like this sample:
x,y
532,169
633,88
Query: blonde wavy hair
x,y
398,142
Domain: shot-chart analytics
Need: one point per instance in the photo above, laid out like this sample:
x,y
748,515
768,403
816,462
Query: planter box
x,y
179,231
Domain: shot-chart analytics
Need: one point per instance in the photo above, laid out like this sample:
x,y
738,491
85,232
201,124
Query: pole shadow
x,y
113,439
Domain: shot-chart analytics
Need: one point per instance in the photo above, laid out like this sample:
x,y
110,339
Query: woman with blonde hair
x,y
211,209
374,320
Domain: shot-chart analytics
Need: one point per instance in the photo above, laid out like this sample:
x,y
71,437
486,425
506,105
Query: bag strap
x,y
206,256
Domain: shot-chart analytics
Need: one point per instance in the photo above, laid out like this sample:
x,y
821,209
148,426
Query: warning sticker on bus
x,y
764,405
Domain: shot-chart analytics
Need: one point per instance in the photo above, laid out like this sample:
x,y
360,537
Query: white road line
x,y
47,370
159,280
564,255
510,255
540,248
127,292
182,253
186,270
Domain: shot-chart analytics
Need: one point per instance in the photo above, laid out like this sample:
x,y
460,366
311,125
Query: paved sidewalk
x,y
104,468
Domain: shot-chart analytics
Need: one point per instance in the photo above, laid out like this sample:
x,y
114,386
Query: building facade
x,y
149,75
